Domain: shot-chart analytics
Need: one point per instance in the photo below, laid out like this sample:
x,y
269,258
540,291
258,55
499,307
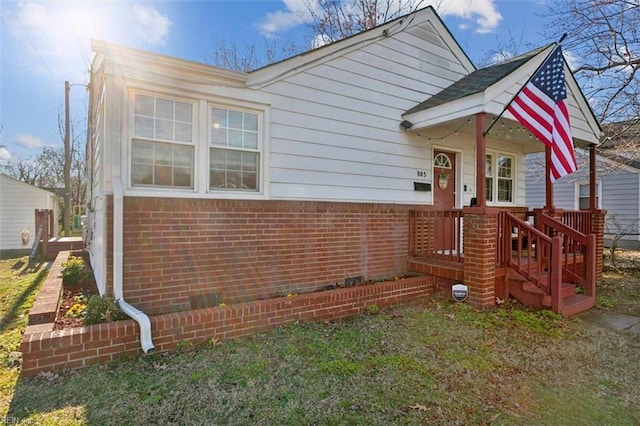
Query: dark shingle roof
x,y
621,142
476,82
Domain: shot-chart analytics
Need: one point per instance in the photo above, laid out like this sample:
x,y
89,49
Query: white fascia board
x,y
156,63
463,107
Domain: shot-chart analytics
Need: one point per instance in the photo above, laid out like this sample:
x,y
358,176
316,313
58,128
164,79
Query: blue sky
x,y
42,44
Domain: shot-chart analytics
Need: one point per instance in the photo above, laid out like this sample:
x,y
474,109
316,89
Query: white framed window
x,y
500,178
583,196
234,149
162,148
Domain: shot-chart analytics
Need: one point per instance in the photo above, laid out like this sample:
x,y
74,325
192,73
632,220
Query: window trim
x,y
130,111
578,184
260,150
201,102
514,177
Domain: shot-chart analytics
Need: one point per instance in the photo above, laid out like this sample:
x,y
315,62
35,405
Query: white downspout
x,y
141,318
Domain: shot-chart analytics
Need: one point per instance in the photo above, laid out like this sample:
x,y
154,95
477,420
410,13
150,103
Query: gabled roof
x,y
622,143
489,90
476,82
279,70
25,186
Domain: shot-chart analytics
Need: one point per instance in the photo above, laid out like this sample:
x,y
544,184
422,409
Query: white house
x,y
18,202
210,184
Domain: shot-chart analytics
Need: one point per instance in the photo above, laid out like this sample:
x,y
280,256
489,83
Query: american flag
x,y
541,107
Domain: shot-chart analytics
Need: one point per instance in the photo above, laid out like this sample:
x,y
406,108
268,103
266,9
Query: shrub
x,y
74,271
102,309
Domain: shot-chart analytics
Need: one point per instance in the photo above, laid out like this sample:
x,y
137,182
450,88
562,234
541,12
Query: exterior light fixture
x,y
406,125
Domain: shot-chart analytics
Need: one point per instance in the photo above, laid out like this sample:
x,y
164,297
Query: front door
x,y
444,176
444,199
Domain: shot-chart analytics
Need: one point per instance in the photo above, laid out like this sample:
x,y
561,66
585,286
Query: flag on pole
x,y
541,107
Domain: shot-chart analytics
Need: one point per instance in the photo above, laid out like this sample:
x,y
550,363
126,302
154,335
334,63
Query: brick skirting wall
x,y
177,250
46,350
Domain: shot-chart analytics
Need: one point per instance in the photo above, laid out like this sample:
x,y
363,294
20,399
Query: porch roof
x,y
490,89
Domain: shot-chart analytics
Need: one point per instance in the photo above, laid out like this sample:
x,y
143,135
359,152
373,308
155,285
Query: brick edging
x,y
45,349
45,307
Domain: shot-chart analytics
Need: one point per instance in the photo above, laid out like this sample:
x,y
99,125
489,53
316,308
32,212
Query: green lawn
x,y
441,363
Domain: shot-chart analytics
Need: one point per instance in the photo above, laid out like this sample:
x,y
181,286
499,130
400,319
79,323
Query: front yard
x,y
441,363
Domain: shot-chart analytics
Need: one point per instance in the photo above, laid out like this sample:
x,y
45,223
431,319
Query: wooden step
x,y
576,303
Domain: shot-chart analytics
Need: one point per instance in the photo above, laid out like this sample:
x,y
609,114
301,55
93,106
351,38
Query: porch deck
x,y
534,254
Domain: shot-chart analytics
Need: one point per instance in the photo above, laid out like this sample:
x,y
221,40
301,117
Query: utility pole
x,y
67,163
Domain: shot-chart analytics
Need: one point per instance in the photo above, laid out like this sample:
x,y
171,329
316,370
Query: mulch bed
x,y
69,298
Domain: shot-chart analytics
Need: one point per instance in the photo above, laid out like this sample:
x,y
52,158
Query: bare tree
x,y
327,21
603,39
333,20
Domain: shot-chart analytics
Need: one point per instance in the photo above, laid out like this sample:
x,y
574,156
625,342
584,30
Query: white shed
x,y
18,202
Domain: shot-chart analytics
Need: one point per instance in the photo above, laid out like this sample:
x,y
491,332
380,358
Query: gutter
x,y
140,317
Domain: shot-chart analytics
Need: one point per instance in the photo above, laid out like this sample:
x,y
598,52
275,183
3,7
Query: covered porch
x,y
490,239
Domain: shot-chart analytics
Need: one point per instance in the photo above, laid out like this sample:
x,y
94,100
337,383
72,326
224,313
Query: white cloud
x,y
4,156
28,141
295,13
152,27
54,37
571,58
484,12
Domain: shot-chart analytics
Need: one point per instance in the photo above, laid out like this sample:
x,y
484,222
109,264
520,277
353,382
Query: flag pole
x,y
486,132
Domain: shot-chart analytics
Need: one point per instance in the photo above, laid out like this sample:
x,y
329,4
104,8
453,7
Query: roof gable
x,y
8,180
417,23
491,89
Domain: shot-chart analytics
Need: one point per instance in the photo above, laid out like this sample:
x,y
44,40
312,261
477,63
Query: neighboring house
x,y
210,184
617,186
18,203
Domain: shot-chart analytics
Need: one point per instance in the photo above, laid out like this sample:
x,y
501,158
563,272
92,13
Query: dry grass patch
x,y
442,363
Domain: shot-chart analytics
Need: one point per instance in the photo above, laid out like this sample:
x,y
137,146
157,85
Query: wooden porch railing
x,y
535,255
436,234
578,256
578,220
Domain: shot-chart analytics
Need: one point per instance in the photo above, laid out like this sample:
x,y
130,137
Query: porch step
x,y
529,294
577,303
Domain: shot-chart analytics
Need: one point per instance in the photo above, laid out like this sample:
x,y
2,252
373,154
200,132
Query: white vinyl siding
x,y
18,202
335,131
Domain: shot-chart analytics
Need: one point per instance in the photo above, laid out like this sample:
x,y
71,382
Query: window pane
x,y
184,112
488,166
249,181
235,138
218,159
250,122
144,105
164,108
234,160
504,190
235,120
504,167
219,136
143,127
217,179
183,132
142,152
489,189
249,162
163,175
164,129
584,190
182,177
251,140
182,156
142,174
163,154
218,117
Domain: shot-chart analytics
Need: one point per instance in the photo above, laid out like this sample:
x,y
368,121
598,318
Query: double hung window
x,y
162,150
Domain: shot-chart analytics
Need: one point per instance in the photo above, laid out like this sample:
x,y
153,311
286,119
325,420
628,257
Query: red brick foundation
x,y
238,250
46,350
